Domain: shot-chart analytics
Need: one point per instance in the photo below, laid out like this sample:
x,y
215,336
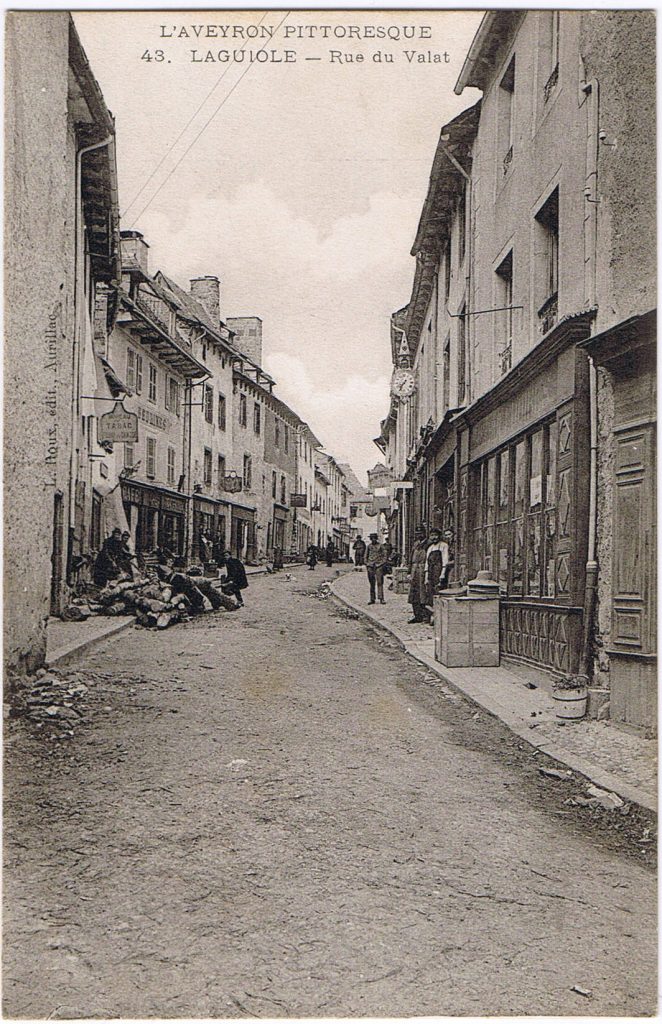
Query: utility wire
x,y
188,123
205,126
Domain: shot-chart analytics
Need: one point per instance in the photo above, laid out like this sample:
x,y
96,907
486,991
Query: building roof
x,y
192,309
158,340
497,27
356,489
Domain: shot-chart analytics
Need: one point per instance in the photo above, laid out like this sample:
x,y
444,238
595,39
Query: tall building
x,y
62,260
535,248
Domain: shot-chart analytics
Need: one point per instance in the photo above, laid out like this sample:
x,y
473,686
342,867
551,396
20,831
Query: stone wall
x,y
39,226
602,621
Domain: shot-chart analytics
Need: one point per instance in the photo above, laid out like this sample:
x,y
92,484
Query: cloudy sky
x,y
303,191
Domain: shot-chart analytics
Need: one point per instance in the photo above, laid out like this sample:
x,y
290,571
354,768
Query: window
x,y
286,439
172,396
548,53
208,403
504,314
248,472
242,410
462,224
274,484
134,370
257,412
546,242
221,472
282,490
151,457
151,387
462,357
171,465
206,467
221,412
277,432
514,515
506,104
129,456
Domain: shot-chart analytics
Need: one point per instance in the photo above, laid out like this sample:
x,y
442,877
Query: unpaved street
x,y
275,812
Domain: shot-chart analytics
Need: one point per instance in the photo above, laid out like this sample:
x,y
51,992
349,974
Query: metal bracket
x,y
477,312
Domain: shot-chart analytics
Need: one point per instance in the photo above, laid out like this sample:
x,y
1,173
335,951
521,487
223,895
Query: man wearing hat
x,y
417,589
375,560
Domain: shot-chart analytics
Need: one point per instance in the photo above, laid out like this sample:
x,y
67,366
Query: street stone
x,y
316,831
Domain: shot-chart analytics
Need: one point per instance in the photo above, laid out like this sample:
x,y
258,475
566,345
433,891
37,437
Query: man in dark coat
x,y
235,580
359,551
417,590
330,552
311,556
108,562
375,560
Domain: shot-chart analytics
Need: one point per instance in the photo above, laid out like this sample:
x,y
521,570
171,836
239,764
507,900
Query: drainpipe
x,y
79,299
591,90
468,330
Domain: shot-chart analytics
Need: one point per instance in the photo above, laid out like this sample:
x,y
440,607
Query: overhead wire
x,y
186,126
205,126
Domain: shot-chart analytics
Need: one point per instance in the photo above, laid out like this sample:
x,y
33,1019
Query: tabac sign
x,y
118,425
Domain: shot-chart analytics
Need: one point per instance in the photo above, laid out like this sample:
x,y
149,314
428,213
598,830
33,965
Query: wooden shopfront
x,y
242,532
156,517
626,354
522,514
209,518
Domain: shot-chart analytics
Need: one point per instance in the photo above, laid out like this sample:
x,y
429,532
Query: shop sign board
x,y
118,426
298,500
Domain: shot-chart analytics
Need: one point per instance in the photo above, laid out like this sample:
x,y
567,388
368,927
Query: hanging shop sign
x,y
232,482
118,426
298,500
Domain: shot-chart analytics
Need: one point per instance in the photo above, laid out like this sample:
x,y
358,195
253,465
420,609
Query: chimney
x,y
207,291
248,330
135,251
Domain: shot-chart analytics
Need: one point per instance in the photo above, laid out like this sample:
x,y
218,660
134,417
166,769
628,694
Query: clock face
x,y
403,383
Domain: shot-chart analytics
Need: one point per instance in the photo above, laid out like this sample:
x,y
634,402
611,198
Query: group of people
x,y
314,554
430,567
114,559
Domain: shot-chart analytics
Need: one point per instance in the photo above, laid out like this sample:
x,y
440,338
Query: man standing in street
x,y
375,560
417,590
359,551
436,563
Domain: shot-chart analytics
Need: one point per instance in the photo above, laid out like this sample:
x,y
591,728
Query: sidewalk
x,y
610,757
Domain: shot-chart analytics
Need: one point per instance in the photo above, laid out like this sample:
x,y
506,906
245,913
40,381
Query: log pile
x,y
157,605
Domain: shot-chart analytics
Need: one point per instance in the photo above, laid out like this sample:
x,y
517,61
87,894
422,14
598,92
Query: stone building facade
x,y
62,243
535,240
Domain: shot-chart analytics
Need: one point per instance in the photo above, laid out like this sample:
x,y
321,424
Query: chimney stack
x,y
134,250
207,291
248,331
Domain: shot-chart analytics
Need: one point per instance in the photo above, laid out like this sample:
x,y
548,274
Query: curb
x,y
598,776
63,655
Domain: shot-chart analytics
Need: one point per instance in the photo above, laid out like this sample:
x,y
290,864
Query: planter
x,y
570,704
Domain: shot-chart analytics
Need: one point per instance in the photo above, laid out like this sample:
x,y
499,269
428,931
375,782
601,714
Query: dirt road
x,y
275,812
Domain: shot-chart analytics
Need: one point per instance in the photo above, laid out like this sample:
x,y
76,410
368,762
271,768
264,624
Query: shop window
x,y
506,112
546,242
151,390
206,471
171,465
151,457
208,403
504,314
242,411
257,414
513,497
248,472
221,412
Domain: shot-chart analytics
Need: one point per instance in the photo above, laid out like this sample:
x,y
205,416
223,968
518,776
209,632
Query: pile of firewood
x,y
157,605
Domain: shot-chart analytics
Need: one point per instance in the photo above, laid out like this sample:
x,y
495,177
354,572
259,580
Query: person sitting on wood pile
x,y
235,579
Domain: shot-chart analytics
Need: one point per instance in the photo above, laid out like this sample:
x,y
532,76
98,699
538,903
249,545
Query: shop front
x,y
156,518
522,511
242,532
210,519
278,538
